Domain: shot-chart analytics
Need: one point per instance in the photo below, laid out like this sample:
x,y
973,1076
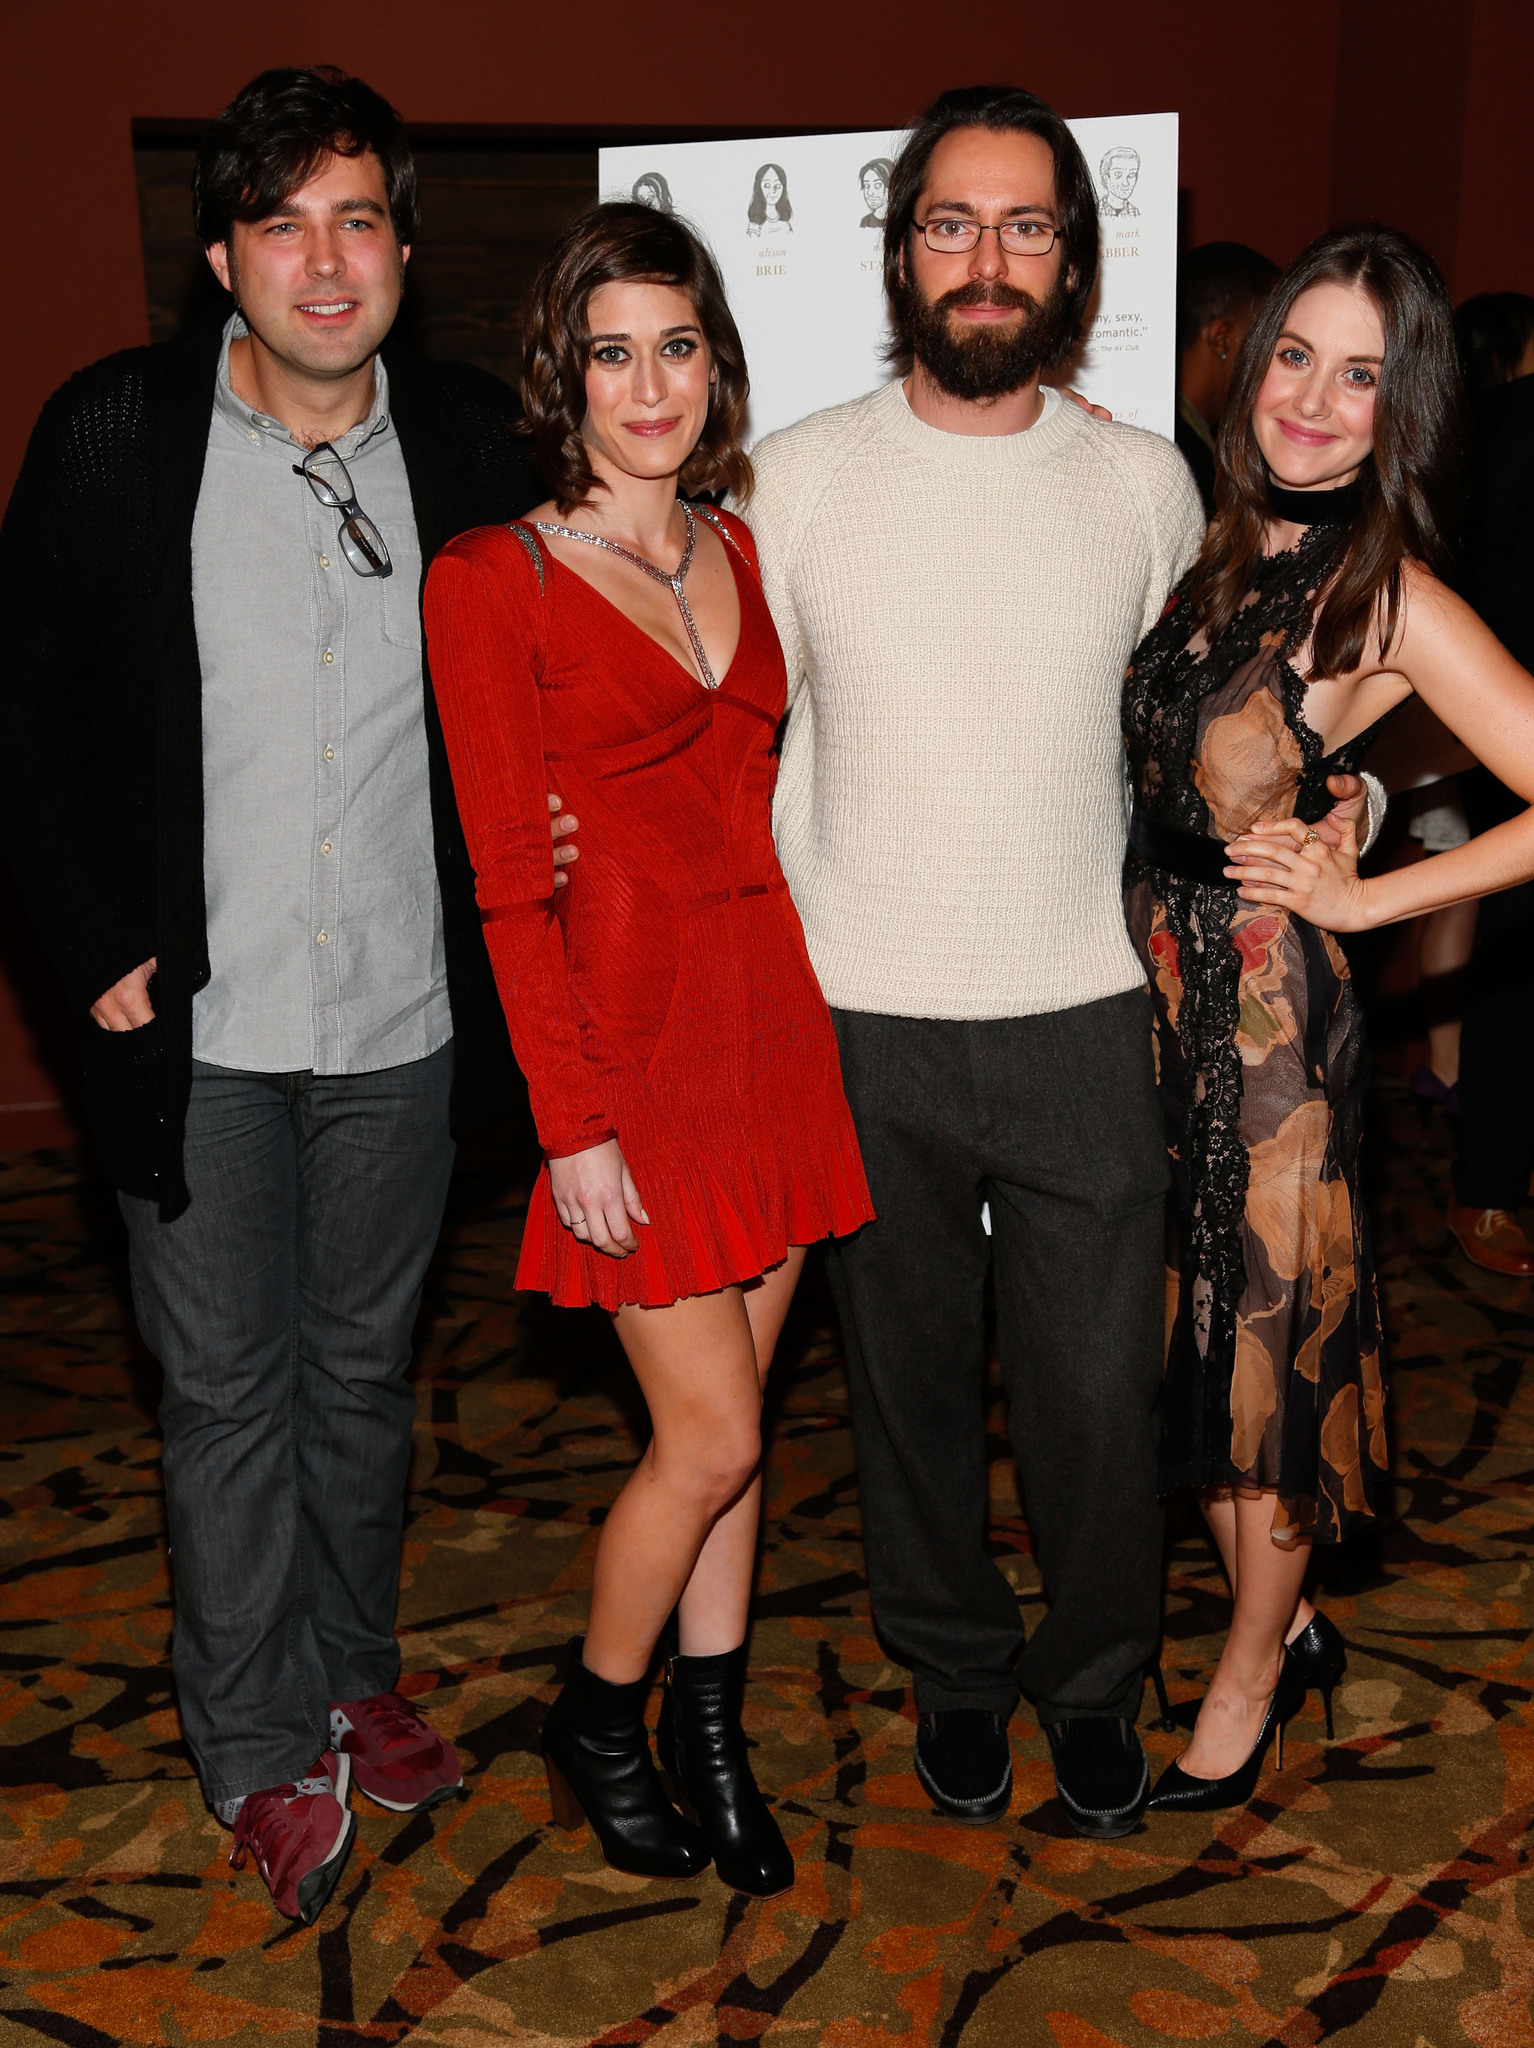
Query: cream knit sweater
x,y
957,613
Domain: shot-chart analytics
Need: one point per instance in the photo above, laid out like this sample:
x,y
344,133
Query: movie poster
x,y
797,226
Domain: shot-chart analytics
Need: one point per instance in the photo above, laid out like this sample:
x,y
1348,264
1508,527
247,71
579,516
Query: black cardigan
x,y
101,714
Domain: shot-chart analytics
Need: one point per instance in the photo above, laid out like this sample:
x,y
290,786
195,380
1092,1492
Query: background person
x,y
1495,333
230,815
681,1064
1494,1137
1220,285
1316,608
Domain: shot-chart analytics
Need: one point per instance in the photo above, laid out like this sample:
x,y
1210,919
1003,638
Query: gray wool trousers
x,y
1052,1120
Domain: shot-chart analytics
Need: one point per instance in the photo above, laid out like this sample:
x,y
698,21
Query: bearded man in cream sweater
x,y
960,565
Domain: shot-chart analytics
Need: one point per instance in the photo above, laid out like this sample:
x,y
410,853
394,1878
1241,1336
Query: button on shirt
x,y
324,917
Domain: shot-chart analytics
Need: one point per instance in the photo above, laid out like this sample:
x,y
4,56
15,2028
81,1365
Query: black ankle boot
x,y
596,1750
703,1750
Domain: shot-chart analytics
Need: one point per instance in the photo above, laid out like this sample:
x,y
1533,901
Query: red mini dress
x,y
665,996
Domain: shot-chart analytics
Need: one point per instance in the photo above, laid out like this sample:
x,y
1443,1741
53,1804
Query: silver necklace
x,y
596,540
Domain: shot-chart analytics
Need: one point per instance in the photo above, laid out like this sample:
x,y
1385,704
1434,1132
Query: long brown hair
x,y
1410,483
623,242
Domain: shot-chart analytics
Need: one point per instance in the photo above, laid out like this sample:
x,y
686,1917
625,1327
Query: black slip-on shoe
x,y
1100,1773
964,1761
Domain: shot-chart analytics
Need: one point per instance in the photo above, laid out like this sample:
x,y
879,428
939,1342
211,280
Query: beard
x,y
989,361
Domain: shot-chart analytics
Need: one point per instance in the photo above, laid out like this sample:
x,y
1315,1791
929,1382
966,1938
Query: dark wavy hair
x,y
277,131
625,242
1411,483
1003,109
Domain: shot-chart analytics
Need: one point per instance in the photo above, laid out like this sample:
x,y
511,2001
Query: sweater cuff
x,y
565,1144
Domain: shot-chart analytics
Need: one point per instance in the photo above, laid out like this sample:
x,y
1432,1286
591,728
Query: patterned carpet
x,y
1369,1892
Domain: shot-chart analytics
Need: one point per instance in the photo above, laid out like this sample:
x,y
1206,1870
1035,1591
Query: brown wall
x,y
1414,110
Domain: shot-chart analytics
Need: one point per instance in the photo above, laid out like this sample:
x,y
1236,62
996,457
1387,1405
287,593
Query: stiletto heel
x,y
1176,1792
596,1750
1318,1656
569,1814
1164,1720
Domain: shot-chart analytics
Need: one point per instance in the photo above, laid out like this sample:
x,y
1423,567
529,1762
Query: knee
x,y
720,1464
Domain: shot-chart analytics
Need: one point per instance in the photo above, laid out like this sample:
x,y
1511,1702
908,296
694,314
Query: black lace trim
x,y
1170,677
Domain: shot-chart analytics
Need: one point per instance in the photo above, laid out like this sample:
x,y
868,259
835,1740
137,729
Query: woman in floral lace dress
x,y
1317,607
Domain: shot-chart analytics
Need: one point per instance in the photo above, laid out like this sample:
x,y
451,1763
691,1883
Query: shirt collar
x,y
228,402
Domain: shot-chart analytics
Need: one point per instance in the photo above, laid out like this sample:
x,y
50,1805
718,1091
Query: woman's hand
x,y
1098,412
561,822
1350,807
1293,867
597,1200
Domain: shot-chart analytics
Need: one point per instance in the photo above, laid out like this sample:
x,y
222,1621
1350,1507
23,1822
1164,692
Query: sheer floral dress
x,y
1273,1376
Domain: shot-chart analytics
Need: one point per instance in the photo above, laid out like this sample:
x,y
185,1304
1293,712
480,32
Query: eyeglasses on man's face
x,y
330,480
955,234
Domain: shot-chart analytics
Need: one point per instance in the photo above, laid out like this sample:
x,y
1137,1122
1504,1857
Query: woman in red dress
x,y
615,648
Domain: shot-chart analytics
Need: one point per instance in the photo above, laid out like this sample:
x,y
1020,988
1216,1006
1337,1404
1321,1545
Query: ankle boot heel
x,y
704,1751
596,1750
569,1814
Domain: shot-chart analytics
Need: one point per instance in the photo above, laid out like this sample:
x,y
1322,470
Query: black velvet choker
x,y
1316,508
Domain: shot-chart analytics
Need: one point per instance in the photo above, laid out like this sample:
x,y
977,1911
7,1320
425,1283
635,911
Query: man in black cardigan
x,y
228,807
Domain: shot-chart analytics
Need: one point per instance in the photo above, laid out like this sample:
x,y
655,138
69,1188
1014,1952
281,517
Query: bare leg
x,y
691,1504
1266,1586
1219,1511
696,1366
715,1606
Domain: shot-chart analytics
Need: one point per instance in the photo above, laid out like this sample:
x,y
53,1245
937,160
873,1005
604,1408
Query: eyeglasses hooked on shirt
x,y
330,480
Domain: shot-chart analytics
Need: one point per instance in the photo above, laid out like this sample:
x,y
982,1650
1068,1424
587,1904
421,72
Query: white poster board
x,y
797,226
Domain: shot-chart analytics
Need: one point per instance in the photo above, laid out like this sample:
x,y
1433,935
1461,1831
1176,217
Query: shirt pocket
x,y
402,608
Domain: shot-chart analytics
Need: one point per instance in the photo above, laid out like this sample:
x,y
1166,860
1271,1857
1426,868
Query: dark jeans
x,y
1494,1141
281,1305
1053,1120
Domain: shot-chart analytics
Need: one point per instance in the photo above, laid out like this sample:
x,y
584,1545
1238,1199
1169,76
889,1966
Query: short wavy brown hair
x,y
622,242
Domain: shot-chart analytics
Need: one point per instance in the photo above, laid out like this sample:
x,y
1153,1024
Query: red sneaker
x,y
399,1761
300,1834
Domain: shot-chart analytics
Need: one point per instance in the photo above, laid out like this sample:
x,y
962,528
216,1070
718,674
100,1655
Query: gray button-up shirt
x,y
324,917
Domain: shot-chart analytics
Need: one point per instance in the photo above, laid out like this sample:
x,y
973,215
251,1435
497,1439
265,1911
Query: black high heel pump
x,y
1176,1792
1319,1656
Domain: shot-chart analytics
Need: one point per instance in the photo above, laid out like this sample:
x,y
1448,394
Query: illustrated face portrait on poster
x,y
874,184
651,189
796,224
